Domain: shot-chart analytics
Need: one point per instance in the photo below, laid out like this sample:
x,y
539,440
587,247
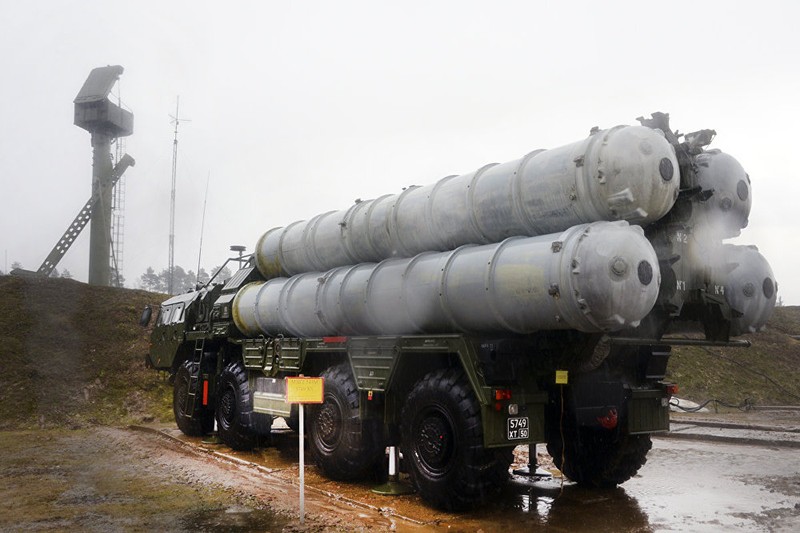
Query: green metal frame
x,y
386,368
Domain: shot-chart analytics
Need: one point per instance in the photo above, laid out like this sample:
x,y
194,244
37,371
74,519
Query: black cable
x,y
746,405
781,387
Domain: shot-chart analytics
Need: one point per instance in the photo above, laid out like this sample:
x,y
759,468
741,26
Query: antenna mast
x,y
176,120
202,228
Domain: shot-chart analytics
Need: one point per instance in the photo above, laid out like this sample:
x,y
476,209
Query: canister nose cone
x,y
726,190
615,276
634,174
750,288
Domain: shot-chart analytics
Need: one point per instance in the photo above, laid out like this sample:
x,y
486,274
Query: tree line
x,y
155,282
66,274
183,280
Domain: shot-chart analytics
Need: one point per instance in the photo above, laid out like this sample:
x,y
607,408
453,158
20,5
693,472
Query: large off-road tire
x,y
194,422
597,457
343,445
293,420
238,426
443,443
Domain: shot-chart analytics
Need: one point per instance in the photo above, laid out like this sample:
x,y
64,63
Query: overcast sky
x,y
301,107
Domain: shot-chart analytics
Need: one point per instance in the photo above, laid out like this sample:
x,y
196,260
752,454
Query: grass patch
x,y
767,373
73,354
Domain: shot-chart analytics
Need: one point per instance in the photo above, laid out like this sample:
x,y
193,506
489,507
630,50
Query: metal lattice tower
x,y
118,224
106,122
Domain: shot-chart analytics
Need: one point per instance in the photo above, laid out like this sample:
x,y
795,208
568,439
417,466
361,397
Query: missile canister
x,y
722,207
623,173
749,288
707,271
593,277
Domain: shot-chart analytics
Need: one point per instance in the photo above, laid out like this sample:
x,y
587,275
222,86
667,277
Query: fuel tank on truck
x,y
623,173
593,277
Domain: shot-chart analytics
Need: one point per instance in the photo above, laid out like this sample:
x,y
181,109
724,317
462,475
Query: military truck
x,y
533,301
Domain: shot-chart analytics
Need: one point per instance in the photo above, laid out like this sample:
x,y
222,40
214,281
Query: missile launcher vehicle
x,y
535,301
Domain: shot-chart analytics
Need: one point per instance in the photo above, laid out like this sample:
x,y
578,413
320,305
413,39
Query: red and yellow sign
x,y
304,390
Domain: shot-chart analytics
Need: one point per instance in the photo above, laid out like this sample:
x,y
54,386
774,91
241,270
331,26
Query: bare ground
x,y
111,479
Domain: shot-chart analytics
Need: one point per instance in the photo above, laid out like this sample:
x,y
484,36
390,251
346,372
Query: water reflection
x,y
523,505
526,505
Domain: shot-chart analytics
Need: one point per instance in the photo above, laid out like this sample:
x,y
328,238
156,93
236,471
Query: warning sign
x,y
304,390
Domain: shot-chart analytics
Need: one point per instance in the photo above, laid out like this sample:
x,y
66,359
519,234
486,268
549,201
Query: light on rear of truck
x,y
502,394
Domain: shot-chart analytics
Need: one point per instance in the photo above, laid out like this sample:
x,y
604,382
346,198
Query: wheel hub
x,y
329,425
435,442
227,408
180,398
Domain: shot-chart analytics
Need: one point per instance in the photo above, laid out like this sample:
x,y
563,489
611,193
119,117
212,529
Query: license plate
x,y
518,428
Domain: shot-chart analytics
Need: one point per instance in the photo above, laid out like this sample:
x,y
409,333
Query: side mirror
x,y
146,315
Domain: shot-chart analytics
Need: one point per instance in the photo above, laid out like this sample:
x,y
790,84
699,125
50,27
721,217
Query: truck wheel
x,y
200,420
237,424
343,445
598,458
293,420
443,443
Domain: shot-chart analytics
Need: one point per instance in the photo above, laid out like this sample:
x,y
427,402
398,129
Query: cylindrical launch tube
x,y
623,173
594,277
749,288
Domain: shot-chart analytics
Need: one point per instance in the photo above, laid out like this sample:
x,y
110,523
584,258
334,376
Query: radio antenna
x,y
202,229
176,120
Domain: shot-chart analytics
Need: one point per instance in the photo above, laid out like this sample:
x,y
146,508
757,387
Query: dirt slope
x,y
72,355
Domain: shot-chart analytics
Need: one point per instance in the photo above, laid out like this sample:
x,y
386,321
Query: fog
x,y
300,108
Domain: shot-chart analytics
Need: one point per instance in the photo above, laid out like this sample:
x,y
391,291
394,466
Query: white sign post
x,y
301,410
302,390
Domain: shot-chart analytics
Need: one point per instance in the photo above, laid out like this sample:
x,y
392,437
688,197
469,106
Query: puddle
x,y
234,519
683,486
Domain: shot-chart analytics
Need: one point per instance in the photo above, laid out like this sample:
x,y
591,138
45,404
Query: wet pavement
x,y
776,428
711,486
713,473
735,434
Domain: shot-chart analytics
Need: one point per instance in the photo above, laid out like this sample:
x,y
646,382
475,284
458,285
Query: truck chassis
x,y
456,405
